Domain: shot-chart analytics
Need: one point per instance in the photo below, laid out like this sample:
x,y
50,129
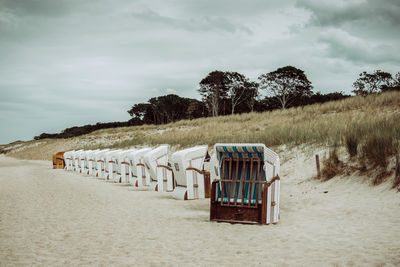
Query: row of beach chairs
x,y
243,182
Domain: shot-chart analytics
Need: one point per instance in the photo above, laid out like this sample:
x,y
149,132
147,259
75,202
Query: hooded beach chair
x,y
191,181
122,166
109,164
68,160
161,175
139,176
83,158
99,158
75,160
248,187
91,162
58,160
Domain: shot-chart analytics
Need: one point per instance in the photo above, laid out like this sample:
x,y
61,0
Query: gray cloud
x,y
205,23
72,62
344,12
341,44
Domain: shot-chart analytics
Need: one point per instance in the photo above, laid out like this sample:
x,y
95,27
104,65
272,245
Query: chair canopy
x,y
191,157
155,157
269,159
136,157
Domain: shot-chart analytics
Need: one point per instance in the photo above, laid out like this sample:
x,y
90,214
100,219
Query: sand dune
x,y
53,217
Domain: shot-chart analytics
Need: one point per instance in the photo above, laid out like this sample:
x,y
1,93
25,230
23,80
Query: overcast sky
x,y
73,62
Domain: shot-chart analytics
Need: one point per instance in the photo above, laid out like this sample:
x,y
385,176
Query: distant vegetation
x,y
225,93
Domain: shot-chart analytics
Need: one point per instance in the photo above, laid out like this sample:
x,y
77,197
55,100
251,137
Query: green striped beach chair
x,y
248,184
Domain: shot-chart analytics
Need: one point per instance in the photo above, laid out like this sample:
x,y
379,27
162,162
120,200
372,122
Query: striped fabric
x,y
238,157
240,151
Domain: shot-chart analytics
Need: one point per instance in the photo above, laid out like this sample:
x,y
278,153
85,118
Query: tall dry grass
x,y
353,121
369,127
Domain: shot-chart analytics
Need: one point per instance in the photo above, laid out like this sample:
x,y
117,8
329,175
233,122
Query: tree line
x,y
224,92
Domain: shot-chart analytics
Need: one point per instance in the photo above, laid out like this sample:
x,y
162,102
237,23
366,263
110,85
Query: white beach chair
x,y
161,176
190,182
75,160
109,168
68,160
91,161
84,161
122,166
139,176
99,158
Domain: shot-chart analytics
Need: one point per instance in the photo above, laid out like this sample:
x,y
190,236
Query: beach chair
x,y
68,160
99,158
139,175
161,175
91,161
109,164
58,160
191,181
75,160
122,166
247,190
84,161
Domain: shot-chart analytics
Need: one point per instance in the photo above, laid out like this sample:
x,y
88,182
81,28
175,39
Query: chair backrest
x,y
121,157
109,155
183,159
157,156
100,154
242,168
136,157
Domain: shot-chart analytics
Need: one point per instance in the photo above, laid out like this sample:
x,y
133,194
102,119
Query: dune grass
x,y
368,127
353,121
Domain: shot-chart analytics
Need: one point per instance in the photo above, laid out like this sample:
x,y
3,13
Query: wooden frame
x,y
165,178
241,212
206,181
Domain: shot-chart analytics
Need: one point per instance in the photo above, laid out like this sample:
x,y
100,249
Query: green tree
x,y
369,83
213,89
286,84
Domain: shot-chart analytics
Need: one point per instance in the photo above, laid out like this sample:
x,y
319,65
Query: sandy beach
x,y
54,217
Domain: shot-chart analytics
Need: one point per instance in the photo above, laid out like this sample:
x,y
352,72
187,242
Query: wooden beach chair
x,y
161,175
247,190
191,181
58,160
138,173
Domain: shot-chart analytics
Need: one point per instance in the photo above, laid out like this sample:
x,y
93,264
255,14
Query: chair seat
x,y
239,200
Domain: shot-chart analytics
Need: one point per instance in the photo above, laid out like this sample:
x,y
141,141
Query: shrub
x,y
332,166
378,148
351,142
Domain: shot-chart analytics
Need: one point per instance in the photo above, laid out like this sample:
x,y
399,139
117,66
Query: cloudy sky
x,y
73,62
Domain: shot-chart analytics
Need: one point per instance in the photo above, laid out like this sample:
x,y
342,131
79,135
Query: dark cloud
x,y
72,62
342,45
333,13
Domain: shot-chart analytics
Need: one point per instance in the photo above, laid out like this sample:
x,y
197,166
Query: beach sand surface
x,y
54,217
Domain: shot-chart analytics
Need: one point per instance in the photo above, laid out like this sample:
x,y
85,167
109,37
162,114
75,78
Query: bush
x,y
332,166
378,148
351,141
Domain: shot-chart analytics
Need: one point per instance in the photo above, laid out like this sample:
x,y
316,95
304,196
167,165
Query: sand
x,y
54,217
